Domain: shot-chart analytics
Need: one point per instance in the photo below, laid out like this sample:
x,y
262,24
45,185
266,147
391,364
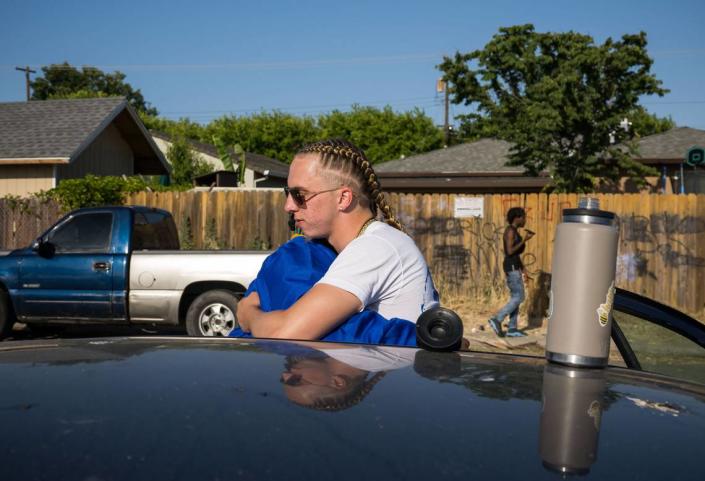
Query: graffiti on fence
x,y
645,229
451,261
662,235
451,226
437,225
474,261
455,259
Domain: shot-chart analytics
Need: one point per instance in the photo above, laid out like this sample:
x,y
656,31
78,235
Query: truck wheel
x,y
212,314
7,317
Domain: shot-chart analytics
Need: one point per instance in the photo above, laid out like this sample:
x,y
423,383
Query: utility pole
x,y
442,86
26,71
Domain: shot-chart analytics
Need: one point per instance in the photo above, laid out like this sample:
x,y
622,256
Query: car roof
x,y
127,408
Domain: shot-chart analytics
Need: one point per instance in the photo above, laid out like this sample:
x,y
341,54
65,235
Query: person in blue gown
x,y
290,271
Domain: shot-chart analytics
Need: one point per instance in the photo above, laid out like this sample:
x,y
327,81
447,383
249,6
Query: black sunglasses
x,y
298,380
299,198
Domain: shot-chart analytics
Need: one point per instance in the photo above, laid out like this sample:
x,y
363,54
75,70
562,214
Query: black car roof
x,y
185,408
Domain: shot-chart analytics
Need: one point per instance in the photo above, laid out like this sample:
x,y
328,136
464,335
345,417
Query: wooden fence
x,y
661,251
21,221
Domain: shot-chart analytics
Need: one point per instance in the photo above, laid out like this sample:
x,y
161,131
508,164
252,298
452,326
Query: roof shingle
x,y
491,155
672,144
51,128
485,155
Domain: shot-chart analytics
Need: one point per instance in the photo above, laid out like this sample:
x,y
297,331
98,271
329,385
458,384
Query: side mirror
x,y
439,329
44,248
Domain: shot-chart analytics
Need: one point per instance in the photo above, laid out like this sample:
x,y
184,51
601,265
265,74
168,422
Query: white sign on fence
x,y
469,206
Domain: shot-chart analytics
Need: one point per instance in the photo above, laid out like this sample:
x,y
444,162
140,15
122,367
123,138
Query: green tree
x,y
78,94
276,134
91,190
185,164
644,123
559,97
242,162
382,133
224,153
183,127
66,81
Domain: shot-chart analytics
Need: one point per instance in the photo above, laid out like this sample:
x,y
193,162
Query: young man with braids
x,y
338,377
334,195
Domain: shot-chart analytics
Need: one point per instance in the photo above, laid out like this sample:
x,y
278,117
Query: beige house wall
x,y
108,154
23,180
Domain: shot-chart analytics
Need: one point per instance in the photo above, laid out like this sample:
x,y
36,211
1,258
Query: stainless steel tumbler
x,y
582,286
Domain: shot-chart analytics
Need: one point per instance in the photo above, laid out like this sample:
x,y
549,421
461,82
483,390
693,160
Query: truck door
x,y
75,283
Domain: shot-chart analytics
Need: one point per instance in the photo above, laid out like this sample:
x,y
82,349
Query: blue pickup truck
x,y
122,265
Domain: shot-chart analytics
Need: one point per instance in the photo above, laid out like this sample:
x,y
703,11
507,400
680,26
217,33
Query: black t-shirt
x,y
513,262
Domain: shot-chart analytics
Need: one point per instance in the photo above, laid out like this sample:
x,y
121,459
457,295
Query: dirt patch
x,y
476,312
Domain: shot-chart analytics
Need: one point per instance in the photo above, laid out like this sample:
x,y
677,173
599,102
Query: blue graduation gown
x,y
294,268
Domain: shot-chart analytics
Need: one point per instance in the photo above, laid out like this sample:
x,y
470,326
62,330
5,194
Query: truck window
x,y
154,231
83,233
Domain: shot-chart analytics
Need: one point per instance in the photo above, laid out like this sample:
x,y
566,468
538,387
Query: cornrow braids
x,y
348,400
344,157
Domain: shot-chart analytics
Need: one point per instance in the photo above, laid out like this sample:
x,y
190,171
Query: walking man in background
x,y
514,246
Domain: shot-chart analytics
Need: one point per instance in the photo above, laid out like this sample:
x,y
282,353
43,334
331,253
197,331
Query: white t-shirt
x,y
374,359
386,271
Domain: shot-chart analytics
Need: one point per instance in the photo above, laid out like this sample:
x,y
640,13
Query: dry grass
x,y
476,308
473,308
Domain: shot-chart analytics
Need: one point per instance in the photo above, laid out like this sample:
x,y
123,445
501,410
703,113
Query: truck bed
x,y
158,279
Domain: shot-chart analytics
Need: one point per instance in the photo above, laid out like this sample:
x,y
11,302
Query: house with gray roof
x,y
666,152
260,171
45,141
481,167
475,167
670,147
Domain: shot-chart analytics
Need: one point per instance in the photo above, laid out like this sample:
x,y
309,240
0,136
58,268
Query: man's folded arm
x,y
319,311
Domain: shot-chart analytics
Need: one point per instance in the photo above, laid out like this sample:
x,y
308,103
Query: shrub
x,y
92,191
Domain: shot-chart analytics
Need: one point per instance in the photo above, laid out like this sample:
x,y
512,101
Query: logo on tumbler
x,y
604,311
595,412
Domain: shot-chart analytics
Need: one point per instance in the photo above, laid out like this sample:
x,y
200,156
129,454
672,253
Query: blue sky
x,y
208,58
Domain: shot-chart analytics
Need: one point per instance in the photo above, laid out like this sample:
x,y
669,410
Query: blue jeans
x,y
511,309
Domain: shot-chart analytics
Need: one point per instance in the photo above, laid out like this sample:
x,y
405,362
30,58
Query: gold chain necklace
x,y
365,226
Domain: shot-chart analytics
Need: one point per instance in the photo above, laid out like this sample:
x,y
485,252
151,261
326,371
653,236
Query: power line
x,y
394,59
413,57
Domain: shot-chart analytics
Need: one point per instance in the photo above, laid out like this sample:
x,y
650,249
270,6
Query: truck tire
x,y
7,316
212,314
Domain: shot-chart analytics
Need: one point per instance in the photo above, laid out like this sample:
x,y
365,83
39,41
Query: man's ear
x,y
347,196
339,381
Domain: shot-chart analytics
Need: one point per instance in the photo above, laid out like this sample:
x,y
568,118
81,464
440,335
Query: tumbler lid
x,y
588,212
